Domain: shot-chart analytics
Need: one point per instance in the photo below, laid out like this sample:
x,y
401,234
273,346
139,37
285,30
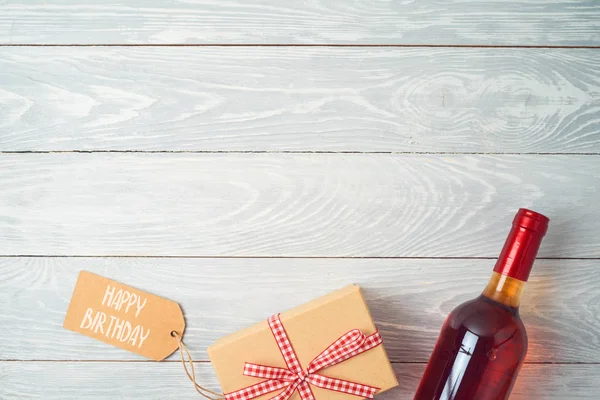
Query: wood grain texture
x,y
536,22
167,381
409,300
292,204
274,99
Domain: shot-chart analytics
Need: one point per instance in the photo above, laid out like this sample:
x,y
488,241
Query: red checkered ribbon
x,y
295,378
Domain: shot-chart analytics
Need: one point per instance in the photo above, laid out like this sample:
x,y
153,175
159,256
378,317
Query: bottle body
x,y
478,355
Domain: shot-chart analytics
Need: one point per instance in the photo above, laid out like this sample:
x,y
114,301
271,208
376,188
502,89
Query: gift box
x,y
327,349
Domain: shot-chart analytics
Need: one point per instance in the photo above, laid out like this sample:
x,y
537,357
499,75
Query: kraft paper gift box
x,y
310,328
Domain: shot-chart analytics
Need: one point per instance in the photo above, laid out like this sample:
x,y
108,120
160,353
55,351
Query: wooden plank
x,y
106,380
287,99
409,299
538,22
292,204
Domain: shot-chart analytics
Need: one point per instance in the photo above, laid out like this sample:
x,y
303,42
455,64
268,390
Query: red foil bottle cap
x,y
522,244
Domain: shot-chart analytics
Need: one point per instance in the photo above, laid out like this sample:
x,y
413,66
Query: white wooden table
x,y
172,146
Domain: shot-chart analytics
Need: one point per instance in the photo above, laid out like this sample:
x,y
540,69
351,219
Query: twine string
x,y
191,372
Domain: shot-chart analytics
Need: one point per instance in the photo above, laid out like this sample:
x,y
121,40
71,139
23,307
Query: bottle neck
x,y
504,290
516,259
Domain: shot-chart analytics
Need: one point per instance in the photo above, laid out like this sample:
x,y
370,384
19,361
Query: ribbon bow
x,y
295,378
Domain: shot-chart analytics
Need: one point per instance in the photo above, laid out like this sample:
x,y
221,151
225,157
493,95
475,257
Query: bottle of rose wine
x,y
483,341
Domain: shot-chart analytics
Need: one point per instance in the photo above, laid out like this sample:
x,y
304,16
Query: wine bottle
x,y
483,341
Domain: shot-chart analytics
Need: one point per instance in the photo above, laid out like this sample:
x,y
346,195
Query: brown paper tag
x,y
125,317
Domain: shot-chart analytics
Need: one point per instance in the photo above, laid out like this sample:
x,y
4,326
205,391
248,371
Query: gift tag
x,y
125,317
